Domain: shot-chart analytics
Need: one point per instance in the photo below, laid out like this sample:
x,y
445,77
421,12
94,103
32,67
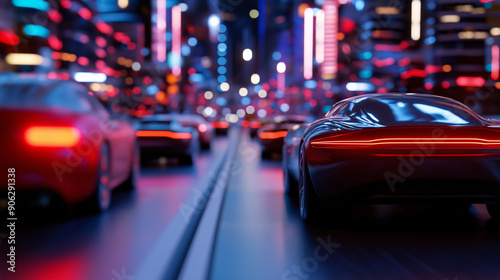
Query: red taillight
x,y
168,134
202,128
220,125
255,124
406,143
272,134
49,136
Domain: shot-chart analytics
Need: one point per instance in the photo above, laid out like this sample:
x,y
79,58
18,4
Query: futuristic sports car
x,y
393,148
63,144
164,135
271,136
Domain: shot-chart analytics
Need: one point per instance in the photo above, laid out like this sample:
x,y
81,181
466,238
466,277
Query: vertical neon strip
x,y
495,62
320,36
176,40
308,43
281,82
330,64
161,30
416,14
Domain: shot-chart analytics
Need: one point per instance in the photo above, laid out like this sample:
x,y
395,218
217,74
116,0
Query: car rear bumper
x,y
165,147
272,145
63,172
420,177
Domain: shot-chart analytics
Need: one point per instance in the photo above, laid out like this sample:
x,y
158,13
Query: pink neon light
x,y
470,81
330,66
495,62
308,43
176,40
320,36
161,26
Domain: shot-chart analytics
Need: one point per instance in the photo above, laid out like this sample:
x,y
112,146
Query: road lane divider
x,y
168,257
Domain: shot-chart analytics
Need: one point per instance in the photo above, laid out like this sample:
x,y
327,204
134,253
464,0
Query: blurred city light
x,y
32,4
247,54
161,30
88,77
416,14
23,59
255,79
358,86
123,4
254,13
243,92
281,67
176,40
320,36
308,43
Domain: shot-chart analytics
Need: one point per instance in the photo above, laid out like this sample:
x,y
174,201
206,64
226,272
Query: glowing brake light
x,y
47,136
168,134
255,124
220,125
272,135
408,142
202,128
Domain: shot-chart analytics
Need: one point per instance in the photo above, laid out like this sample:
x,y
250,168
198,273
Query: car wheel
x,y
313,210
494,210
131,183
310,210
101,198
291,185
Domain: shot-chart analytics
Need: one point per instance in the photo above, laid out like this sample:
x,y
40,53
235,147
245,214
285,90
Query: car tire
x,y
291,185
101,198
131,183
309,204
494,210
314,210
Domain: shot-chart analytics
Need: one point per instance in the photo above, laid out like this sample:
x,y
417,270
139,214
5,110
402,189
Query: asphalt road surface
x,y
260,234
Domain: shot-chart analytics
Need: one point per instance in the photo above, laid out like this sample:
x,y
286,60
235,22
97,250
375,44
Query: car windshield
x,y
410,111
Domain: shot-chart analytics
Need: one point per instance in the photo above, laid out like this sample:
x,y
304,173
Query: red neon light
x,y
8,38
413,73
409,142
168,134
387,48
435,155
470,81
384,62
272,135
495,62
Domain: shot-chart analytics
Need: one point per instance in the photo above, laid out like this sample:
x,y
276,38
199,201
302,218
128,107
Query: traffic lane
x,y
116,242
261,236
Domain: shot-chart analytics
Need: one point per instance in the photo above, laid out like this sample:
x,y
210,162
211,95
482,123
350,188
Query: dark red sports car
x,y
393,148
62,143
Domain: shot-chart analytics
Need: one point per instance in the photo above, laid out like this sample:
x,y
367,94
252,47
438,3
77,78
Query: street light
x,y
247,54
281,67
